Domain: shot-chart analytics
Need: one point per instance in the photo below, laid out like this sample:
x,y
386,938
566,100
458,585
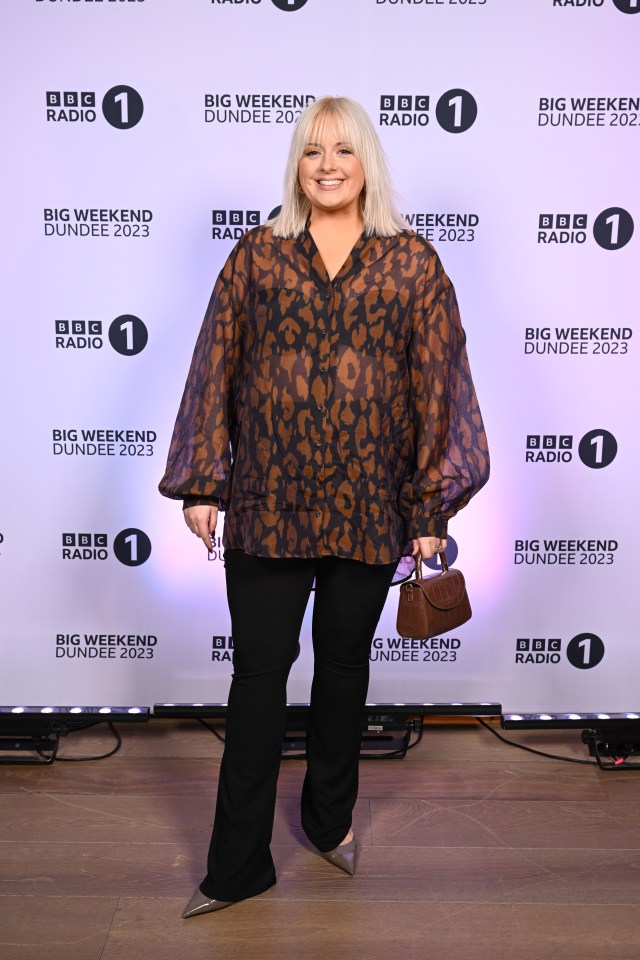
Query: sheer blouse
x,y
329,417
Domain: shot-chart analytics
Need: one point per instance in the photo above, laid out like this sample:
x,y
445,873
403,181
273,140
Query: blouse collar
x,y
364,252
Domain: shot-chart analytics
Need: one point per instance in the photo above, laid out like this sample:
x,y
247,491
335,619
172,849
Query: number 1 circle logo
x,y
585,651
628,6
123,107
456,111
598,449
132,547
128,335
289,4
613,228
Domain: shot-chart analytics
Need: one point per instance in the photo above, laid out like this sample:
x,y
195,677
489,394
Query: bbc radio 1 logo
x,y
132,547
122,106
624,6
127,335
584,651
456,110
233,224
612,229
597,449
221,647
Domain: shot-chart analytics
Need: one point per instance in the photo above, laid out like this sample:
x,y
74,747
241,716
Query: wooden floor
x,y
470,850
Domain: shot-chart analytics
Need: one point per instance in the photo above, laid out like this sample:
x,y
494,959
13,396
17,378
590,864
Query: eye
x,y
345,150
311,152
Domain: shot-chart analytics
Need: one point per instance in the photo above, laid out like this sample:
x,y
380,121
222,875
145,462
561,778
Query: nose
x,y
327,164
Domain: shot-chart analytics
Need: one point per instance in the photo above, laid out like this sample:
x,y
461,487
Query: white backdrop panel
x,y
550,324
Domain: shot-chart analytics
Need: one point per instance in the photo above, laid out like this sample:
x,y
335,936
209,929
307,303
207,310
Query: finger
x,y
423,549
213,519
430,546
202,531
206,539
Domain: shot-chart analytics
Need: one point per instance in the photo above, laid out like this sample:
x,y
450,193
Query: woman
x,y
330,411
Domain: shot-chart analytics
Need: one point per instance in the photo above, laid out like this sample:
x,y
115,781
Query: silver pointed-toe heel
x,y
343,856
200,903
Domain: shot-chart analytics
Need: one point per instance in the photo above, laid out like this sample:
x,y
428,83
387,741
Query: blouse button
x,y
317,513
321,406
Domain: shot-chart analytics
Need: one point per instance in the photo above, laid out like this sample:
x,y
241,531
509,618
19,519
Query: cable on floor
x,y
539,753
102,756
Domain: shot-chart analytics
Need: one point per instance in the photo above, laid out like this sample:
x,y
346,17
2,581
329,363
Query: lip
x,y
334,184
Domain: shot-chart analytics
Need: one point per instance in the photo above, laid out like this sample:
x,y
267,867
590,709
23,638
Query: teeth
x,y
329,183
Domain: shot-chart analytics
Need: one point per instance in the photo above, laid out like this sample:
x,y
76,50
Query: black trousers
x,y
267,600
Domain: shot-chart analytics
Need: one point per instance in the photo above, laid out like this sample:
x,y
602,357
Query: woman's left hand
x,y
426,547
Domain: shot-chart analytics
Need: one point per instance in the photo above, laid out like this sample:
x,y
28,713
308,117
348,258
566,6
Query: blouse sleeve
x,y
200,455
451,453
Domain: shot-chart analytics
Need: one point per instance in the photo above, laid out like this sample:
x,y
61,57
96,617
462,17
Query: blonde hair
x,y
354,126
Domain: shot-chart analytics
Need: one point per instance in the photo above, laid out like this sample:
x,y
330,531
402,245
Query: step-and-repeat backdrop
x,y
141,138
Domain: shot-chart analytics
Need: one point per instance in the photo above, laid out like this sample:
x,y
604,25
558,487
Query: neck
x,y
341,220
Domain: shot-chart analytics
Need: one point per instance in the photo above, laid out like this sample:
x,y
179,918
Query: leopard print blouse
x,y
329,417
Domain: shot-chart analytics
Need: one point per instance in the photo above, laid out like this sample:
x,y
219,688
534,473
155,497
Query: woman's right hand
x,y
202,520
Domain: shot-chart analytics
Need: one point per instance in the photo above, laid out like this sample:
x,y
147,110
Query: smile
x,y
329,183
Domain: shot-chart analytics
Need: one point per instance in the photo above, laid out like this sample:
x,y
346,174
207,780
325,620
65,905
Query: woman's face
x,y
330,175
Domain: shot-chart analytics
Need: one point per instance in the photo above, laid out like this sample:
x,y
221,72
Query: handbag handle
x,y
443,562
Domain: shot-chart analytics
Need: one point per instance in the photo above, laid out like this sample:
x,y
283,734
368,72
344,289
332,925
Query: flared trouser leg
x,y
267,600
349,598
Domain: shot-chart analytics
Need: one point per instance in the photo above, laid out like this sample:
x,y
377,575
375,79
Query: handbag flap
x,y
442,590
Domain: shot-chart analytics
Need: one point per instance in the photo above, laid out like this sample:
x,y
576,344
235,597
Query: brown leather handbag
x,y
433,606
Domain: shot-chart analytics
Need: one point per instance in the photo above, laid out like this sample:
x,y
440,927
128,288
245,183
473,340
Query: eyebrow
x,y
340,143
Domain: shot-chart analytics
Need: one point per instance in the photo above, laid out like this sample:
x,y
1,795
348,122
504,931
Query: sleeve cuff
x,y
194,501
426,527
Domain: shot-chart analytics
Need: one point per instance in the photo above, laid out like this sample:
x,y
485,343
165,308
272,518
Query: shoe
x,y
343,856
200,903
